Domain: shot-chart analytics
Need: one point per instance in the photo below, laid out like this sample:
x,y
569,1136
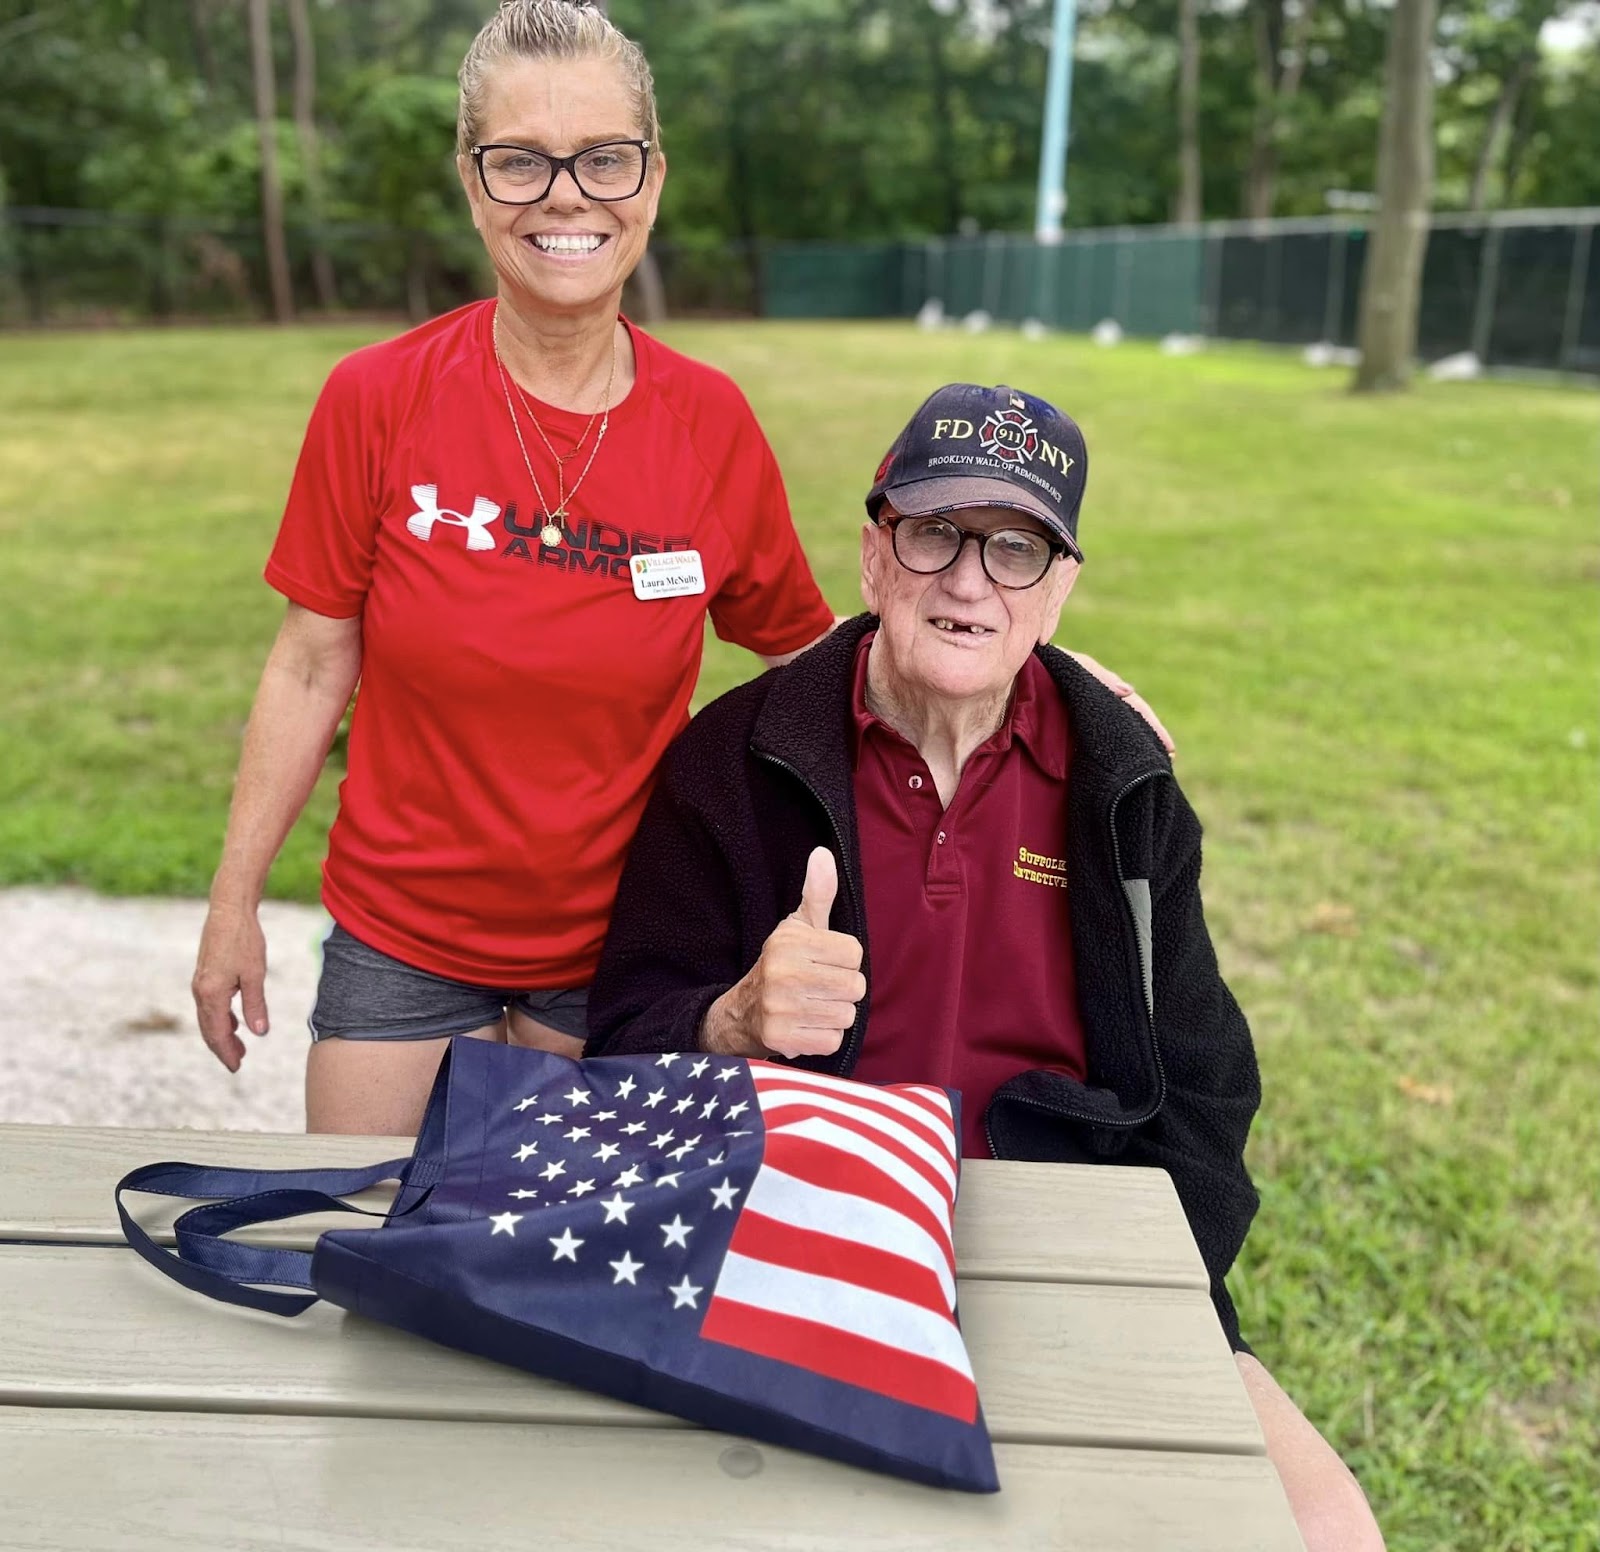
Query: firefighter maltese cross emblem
x,y
1009,435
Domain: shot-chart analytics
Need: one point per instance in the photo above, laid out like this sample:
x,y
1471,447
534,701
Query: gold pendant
x,y
550,535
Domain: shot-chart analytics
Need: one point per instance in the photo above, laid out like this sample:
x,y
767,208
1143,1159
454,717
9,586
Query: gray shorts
x,y
363,994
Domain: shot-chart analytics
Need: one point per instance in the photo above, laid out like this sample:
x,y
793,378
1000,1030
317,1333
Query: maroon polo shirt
x,y
967,906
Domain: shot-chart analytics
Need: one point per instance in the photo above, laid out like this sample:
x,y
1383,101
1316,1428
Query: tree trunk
x,y
741,180
943,139
271,191
1393,277
1189,190
1277,34
1522,126
31,275
652,292
205,58
305,121
1258,174
417,309
1499,123
1015,151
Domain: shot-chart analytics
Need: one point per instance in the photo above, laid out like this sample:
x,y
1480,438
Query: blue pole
x,y
1052,203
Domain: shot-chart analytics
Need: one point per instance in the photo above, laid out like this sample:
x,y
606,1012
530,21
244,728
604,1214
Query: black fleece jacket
x,y
764,774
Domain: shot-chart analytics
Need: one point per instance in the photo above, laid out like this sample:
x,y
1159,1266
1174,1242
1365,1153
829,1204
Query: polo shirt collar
x,y
1025,720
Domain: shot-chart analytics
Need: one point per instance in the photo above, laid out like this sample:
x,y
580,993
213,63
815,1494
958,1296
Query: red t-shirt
x,y
968,906
515,698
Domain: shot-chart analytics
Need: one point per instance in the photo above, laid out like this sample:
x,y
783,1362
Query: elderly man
x,y
934,849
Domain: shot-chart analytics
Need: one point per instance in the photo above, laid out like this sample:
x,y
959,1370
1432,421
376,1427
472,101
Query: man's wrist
x,y
722,1031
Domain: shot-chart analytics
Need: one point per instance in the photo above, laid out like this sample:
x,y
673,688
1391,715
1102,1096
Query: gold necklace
x,y
562,459
550,534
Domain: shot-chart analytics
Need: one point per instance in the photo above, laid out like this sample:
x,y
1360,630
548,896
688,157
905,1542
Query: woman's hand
x,y
232,960
1120,687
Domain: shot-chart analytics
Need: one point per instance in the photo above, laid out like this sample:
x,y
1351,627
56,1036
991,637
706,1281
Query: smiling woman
x,y
467,535
558,147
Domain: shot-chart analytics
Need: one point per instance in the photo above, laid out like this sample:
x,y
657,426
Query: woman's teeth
x,y
565,244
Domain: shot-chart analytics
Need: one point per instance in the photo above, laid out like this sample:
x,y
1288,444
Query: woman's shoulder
x,y
423,353
693,388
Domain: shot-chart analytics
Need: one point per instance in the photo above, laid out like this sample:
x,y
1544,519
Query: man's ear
x,y
1063,575
870,533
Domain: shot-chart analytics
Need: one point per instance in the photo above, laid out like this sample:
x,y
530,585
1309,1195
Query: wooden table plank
x,y
177,1482
1047,1222
1055,1363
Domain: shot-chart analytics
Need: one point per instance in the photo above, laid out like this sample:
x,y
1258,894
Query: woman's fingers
x,y
232,960
213,1006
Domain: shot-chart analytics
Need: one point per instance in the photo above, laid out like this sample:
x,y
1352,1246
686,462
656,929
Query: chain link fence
x,y
91,268
1518,288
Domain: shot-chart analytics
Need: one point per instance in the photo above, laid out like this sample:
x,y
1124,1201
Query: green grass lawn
x,y
1372,627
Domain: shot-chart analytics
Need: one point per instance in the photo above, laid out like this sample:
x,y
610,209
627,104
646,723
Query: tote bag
x,y
757,1248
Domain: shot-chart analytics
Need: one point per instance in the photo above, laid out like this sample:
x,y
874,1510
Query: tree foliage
x,y
798,118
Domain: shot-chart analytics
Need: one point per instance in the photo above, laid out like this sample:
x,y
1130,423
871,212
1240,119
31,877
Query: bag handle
x,y
223,1269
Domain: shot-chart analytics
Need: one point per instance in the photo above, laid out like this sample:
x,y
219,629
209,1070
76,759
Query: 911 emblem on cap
x,y
1009,435
971,446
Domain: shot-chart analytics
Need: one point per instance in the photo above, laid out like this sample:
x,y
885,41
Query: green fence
x,y
1519,288
1151,283
105,268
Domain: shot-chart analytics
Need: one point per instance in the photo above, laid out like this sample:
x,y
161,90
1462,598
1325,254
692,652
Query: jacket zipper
x,y
1146,978
853,1036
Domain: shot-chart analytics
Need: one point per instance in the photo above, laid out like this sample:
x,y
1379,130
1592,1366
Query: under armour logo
x,y
429,512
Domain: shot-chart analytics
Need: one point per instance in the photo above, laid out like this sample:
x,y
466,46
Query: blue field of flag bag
x,y
751,1246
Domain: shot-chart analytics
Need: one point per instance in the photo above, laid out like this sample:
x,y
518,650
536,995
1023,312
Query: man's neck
x,y
565,360
945,733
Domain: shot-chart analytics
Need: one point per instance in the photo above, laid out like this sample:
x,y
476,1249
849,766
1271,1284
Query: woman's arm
x,y
1330,1510
789,657
305,687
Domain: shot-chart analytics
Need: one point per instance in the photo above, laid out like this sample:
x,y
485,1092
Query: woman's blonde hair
x,y
550,29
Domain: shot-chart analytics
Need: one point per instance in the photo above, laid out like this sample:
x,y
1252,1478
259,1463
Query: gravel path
x,y
97,1026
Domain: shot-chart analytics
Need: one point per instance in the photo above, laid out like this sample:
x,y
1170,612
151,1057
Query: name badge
x,y
667,576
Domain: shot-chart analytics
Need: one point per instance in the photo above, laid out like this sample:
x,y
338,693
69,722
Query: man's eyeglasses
x,y
1011,557
517,175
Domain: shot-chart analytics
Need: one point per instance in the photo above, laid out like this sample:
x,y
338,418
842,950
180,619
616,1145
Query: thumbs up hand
x,y
818,892
801,994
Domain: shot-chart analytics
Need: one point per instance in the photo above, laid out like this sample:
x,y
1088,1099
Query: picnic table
x,y
135,1414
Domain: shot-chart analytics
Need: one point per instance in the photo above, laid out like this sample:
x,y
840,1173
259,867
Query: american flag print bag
x,y
754,1247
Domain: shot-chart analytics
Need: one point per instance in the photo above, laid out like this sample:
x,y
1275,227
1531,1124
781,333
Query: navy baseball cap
x,y
969,446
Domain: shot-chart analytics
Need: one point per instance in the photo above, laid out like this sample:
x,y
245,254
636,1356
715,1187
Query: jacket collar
x,y
805,723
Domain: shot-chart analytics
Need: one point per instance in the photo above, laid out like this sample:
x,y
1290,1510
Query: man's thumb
x,y
822,884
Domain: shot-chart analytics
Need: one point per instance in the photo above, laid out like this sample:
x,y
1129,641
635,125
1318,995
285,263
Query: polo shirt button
x,y
941,837
915,783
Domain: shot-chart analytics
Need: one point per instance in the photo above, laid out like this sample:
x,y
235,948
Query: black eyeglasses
x,y
1014,558
518,175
